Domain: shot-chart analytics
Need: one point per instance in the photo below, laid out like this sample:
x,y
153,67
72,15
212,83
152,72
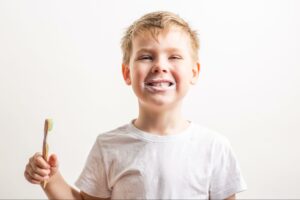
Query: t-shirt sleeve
x,y
93,178
226,177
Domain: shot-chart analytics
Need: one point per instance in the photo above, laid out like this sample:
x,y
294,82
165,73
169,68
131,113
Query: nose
x,y
160,67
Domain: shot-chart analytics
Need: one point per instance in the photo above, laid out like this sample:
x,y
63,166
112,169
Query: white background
x,y
62,59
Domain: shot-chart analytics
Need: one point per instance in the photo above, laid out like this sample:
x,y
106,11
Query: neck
x,y
159,121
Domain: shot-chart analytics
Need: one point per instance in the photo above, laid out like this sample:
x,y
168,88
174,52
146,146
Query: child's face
x,y
161,70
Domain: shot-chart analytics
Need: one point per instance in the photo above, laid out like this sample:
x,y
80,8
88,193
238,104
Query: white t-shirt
x,y
127,163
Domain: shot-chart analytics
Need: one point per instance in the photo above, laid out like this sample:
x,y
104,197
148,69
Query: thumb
x,y
53,161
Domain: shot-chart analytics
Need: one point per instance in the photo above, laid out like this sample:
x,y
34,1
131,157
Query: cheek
x,y
182,74
138,74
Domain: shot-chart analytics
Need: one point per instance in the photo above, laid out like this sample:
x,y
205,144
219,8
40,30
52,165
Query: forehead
x,y
174,38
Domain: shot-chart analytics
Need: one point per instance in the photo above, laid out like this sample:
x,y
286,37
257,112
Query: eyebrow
x,y
150,50
144,50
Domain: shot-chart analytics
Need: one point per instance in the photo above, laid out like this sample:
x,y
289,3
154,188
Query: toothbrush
x,y
47,127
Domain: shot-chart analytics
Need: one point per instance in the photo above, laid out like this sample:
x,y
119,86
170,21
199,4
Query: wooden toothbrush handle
x,y
47,127
45,150
45,156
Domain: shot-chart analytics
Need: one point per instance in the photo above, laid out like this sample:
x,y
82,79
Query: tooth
x,y
160,84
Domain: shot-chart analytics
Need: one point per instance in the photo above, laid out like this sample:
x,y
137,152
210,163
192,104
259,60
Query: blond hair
x,y
154,22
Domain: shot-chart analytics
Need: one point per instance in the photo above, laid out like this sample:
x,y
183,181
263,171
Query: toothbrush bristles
x,y
49,124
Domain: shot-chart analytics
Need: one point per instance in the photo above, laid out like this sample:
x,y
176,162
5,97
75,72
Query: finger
x,y
40,171
34,175
40,162
36,155
39,168
30,179
53,161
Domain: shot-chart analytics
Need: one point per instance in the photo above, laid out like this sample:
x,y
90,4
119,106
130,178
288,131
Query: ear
x,y
195,71
126,73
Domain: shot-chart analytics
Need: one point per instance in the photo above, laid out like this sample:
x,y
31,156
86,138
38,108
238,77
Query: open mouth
x,y
159,85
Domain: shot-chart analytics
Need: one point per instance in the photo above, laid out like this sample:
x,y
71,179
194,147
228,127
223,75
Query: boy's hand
x,y
38,169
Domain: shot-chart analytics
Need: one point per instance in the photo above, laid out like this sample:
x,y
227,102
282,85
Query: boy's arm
x,y
88,197
232,197
38,169
59,189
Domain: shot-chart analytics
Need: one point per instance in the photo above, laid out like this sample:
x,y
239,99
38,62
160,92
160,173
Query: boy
x,y
158,155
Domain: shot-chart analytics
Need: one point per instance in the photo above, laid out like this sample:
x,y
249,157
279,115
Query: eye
x,y
145,57
175,57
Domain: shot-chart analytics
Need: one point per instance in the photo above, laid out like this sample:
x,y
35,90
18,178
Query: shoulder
x,y
210,141
209,135
116,137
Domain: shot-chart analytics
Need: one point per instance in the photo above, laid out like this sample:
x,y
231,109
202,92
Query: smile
x,y
159,85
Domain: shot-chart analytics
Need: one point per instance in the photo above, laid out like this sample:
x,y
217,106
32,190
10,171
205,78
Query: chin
x,y
160,105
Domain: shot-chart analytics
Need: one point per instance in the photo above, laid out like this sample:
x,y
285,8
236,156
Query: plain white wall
x,y
61,59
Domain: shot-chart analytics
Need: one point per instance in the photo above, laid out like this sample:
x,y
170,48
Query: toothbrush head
x,y
48,125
